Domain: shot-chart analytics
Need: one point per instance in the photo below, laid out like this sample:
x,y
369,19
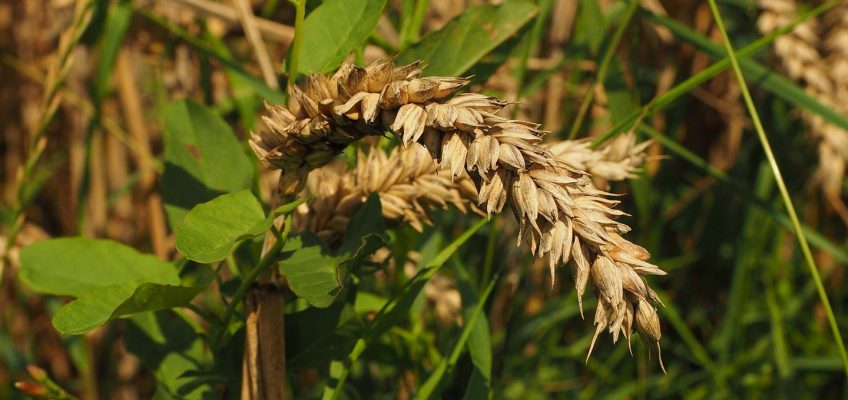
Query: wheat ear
x,y
560,214
411,187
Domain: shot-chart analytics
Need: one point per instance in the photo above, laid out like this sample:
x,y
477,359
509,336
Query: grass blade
x,y
741,189
781,185
694,81
393,311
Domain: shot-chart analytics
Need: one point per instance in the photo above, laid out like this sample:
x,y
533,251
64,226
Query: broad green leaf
x,y
368,302
334,29
100,305
110,280
73,266
465,40
203,159
210,230
315,274
169,347
310,269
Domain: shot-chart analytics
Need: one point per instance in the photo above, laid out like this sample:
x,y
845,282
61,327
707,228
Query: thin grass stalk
x,y
606,62
56,76
741,189
659,102
784,193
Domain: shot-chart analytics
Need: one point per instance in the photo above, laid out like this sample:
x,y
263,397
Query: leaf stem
x,y
781,185
267,260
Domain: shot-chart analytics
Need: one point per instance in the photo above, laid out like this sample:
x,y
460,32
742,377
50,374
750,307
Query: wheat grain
x,y
561,215
410,186
405,179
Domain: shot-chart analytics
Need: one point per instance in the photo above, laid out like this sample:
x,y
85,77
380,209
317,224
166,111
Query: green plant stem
x,y
603,70
430,388
659,102
781,185
267,260
491,246
384,320
294,59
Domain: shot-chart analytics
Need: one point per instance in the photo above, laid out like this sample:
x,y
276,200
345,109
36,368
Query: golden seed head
x,y
458,151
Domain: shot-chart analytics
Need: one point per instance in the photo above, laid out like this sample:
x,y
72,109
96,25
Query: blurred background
x,y
741,317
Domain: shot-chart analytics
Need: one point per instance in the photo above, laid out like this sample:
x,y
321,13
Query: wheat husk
x,y
551,199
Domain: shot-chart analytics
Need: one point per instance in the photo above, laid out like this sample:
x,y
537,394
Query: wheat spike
x,y
410,186
406,180
561,215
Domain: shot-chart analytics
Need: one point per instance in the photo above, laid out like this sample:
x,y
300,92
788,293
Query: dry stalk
x,y
561,215
824,76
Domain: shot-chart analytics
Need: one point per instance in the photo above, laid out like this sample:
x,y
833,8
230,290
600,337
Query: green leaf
x,y
210,230
757,73
113,35
393,312
203,159
169,347
365,233
100,305
315,274
109,279
479,341
334,29
310,269
73,266
398,307
434,384
465,40
317,336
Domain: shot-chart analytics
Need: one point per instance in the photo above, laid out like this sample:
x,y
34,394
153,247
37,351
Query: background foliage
x,y
129,120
